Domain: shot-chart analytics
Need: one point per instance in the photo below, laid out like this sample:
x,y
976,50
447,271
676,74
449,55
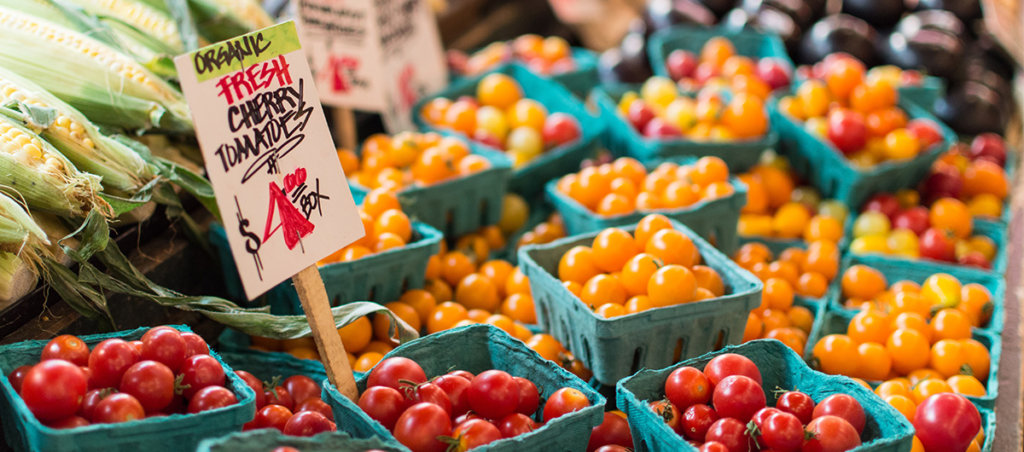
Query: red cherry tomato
x,y
844,406
194,344
564,401
108,361
17,376
516,424
257,386
419,427
946,422
151,383
165,344
798,404
210,398
668,413
455,387
529,397
389,371
762,415
382,404
697,419
308,423
301,388
429,393
830,434
713,446
118,407
475,433
559,128
739,397
687,386
782,432
89,402
847,130
494,394
200,371
272,416
728,364
613,430
67,347
68,422
53,389
316,404
463,373
278,395
730,433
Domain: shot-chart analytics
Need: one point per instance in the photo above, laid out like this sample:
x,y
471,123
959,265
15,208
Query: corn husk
x,y
139,15
120,167
107,86
33,170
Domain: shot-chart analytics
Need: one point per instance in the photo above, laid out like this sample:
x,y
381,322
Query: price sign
x,y
376,55
269,154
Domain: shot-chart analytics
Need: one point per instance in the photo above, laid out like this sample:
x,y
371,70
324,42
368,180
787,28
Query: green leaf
x,y
191,182
93,236
179,10
37,116
83,298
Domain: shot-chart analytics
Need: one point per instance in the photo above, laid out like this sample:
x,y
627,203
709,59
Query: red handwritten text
x,y
293,222
239,84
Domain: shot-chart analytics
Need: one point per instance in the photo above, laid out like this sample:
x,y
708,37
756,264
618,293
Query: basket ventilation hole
x,y
586,349
720,342
373,293
679,350
637,355
565,333
405,285
484,211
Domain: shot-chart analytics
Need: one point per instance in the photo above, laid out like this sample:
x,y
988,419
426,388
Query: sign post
x,y
272,164
374,55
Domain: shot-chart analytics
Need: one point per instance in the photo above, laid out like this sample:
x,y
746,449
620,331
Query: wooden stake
x,y
345,125
317,306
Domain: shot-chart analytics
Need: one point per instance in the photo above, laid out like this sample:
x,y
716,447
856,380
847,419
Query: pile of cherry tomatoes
x,y
718,63
543,55
857,113
943,232
502,117
458,409
294,407
778,208
625,186
623,273
661,111
724,409
406,159
164,372
972,173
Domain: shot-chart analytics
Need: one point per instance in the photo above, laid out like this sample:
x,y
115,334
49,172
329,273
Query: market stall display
x,y
756,225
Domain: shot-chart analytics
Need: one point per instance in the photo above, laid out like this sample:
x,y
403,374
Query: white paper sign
x,y
375,55
280,188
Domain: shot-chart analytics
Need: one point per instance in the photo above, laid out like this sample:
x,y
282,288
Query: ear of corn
x,y
140,15
45,179
105,85
217,21
249,12
17,228
146,49
120,167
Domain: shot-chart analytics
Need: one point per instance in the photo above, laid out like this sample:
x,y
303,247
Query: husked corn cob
x,y
248,12
139,15
39,174
105,85
120,167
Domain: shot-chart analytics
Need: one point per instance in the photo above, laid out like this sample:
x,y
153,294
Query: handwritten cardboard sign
x,y
375,55
269,155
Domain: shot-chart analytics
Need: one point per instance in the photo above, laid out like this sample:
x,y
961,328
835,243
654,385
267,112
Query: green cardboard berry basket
x,y
834,175
622,139
898,270
168,433
529,179
267,440
380,277
925,94
459,205
715,220
617,347
835,322
748,43
886,429
477,348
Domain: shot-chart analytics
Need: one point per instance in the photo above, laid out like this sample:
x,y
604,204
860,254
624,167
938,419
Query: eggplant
x,y
719,7
932,51
971,109
938,20
767,20
966,10
882,14
627,63
798,10
839,33
661,14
